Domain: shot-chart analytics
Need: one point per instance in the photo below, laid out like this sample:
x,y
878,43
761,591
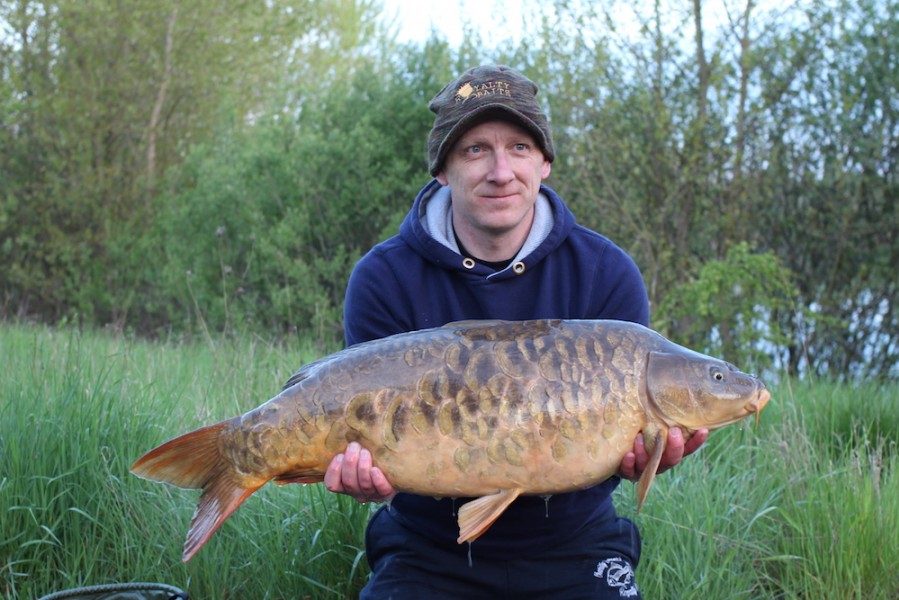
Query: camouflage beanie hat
x,y
479,92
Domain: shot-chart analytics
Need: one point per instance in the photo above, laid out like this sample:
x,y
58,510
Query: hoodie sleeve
x,y
373,307
624,294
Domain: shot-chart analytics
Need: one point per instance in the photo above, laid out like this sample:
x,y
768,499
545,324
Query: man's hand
x,y
352,473
634,463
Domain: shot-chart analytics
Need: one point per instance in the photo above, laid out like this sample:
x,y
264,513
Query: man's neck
x,y
492,247
498,265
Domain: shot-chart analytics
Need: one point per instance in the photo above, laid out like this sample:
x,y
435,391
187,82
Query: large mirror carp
x,y
483,409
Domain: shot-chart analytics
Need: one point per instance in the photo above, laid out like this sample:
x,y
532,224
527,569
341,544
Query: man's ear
x,y
441,177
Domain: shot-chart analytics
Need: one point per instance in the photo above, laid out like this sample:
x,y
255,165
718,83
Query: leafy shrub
x,y
261,229
729,309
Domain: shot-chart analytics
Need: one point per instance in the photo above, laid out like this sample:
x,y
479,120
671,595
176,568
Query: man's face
x,y
494,170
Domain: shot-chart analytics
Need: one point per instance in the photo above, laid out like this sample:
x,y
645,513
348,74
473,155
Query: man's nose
x,y
501,169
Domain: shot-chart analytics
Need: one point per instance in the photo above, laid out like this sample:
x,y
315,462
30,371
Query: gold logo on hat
x,y
464,92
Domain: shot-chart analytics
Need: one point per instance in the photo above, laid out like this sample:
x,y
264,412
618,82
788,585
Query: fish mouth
x,y
756,405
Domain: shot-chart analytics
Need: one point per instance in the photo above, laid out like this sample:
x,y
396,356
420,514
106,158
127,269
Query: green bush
x,y
259,230
729,309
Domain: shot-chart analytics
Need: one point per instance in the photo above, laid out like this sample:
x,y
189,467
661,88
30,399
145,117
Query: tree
x,y
260,229
833,132
105,96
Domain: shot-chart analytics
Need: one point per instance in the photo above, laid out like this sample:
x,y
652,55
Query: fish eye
x,y
717,374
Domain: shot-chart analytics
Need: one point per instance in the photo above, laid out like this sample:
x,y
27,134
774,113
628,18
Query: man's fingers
x,y
383,489
640,457
333,475
628,467
676,448
696,440
349,472
363,474
353,473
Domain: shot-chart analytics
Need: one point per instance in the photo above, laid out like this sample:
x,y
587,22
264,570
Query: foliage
x,y
833,129
260,229
105,96
685,139
171,167
729,309
801,505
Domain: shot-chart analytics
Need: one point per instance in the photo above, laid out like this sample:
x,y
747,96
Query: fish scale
x,y
484,409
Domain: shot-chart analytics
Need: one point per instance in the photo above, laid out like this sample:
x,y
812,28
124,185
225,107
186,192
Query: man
x,y
487,240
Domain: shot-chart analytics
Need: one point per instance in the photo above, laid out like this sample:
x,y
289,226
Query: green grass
x,y
77,409
806,505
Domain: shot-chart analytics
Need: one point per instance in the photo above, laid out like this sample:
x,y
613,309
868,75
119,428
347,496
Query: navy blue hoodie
x,y
418,279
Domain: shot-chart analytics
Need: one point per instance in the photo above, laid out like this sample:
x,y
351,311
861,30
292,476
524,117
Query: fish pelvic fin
x,y
194,461
477,516
655,439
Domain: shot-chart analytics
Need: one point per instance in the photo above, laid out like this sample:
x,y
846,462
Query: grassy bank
x,y
804,506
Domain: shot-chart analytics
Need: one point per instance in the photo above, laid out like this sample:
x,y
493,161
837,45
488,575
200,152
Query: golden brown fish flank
x,y
491,410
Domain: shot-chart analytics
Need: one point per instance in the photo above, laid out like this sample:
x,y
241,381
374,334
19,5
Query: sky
x,y
416,18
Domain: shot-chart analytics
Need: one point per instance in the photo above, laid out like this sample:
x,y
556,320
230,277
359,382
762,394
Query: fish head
x,y
693,391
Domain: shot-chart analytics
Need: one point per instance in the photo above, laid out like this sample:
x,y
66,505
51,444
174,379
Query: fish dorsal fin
x,y
297,377
477,516
655,439
305,371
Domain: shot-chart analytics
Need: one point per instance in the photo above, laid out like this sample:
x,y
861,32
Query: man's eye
x,y
474,149
521,147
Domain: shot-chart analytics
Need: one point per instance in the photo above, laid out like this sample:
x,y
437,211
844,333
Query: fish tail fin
x,y
655,440
186,461
220,498
194,461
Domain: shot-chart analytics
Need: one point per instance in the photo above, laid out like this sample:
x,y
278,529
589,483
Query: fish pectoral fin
x,y
655,440
305,476
477,516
